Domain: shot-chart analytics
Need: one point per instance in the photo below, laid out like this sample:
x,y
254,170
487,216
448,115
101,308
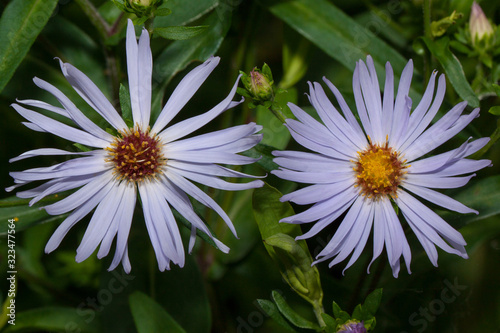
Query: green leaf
x,y
179,33
483,196
162,12
495,110
290,314
372,302
125,105
264,153
454,71
339,313
180,53
186,11
53,319
149,316
334,32
20,24
273,312
331,323
496,88
15,208
268,210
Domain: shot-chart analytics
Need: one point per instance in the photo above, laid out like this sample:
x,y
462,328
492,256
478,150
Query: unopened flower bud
x,y
144,3
352,326
480,27
258,85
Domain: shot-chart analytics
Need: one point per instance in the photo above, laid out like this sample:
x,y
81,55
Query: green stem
x,y
97,20
318,310
427,34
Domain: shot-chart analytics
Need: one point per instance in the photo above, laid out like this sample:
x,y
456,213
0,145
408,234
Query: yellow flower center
x,y
136,155
379,170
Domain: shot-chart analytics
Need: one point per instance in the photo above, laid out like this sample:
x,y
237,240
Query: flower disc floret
x,y
136,155
379,171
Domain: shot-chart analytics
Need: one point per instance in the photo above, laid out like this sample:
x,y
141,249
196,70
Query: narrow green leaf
x,y
290,314
272,311
52,319
496,88
454,71
335,33
149,316
15,208
180,53
20,24
179,33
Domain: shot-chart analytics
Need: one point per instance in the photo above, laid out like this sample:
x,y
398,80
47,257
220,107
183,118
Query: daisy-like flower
x,y
157,164
366,170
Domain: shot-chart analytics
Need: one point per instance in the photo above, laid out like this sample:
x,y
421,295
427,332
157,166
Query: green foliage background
x,y
301,40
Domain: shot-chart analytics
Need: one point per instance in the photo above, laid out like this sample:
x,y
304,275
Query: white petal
x,y
360,135
439,199
202,197
190,125
76,115
104,181
92,95
60,129
184,91
81,211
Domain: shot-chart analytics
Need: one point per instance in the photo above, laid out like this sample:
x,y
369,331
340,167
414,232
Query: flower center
x,y
379,170
136,155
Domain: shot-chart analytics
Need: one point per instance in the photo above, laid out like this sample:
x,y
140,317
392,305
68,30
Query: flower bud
x,y
479,26
352,326
258,85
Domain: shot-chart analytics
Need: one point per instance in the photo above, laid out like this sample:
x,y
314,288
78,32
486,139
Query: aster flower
x,y
157,164
352,326
365,169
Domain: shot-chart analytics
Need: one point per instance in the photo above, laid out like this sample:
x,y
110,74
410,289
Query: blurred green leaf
x,y
454,71
180,53
372,302
331,323
264,153
483,196
182,292
339,313
53,319
290,314
149,316
269,210
178,32
273,312
27,216
495,110
335,33
20,24
186,11
125,106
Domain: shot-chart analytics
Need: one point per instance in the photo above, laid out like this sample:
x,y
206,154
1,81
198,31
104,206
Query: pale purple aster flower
x,y
157,164
353,327
364,170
